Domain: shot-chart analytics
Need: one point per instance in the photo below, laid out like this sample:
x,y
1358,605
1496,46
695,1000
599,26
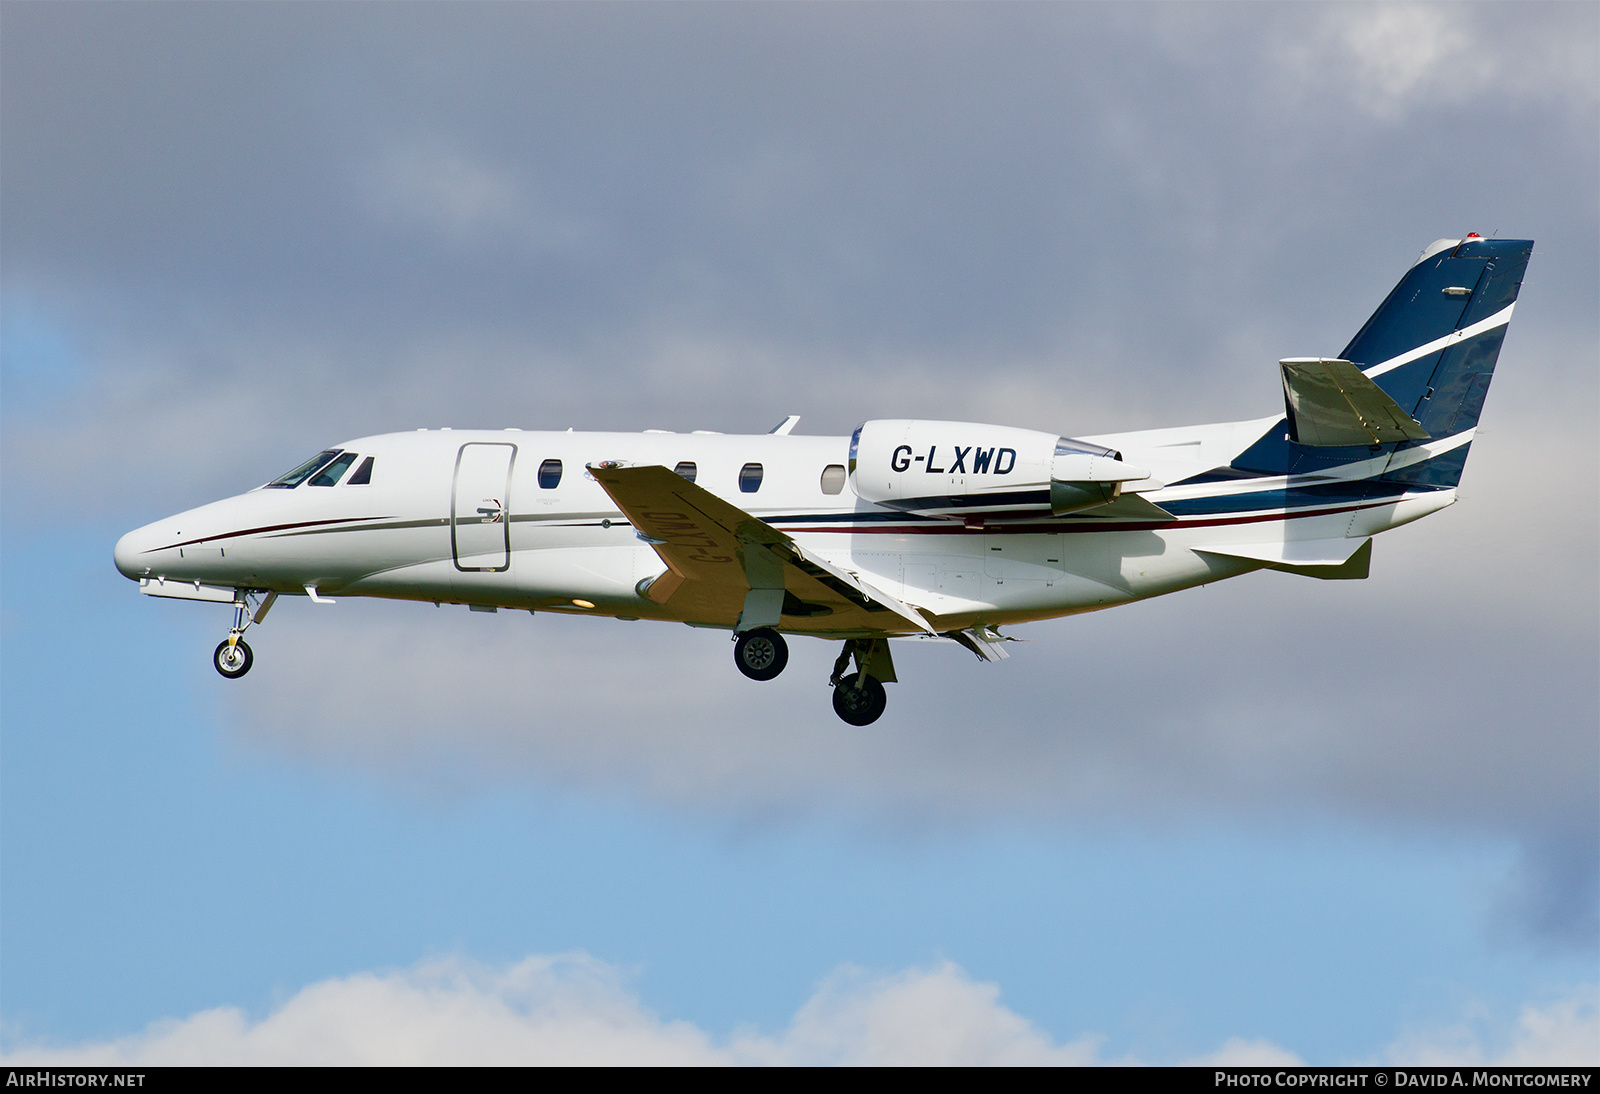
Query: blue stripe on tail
x,y
1419,311
1444,390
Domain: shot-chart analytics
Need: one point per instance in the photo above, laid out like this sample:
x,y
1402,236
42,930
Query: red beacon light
x,y
1473,235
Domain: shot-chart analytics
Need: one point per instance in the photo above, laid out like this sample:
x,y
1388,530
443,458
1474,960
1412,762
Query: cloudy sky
x,y
1267,820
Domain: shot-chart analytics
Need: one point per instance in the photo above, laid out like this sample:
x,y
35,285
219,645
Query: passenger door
x,y
480,508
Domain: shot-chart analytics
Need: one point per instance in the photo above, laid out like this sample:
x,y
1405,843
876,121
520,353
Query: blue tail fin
x,y
1431,346
1449,289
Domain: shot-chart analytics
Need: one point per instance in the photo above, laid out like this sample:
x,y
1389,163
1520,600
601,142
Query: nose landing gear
x,y
233,656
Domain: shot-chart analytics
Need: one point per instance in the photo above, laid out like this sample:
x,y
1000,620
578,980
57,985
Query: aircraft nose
x,y
129,552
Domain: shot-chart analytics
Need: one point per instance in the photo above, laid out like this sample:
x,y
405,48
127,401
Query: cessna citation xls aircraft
x,y
904,528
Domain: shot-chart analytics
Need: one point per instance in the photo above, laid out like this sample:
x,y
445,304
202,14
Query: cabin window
x,y
304,471
687,469
833,478
750,478
363,475
549,474
331,474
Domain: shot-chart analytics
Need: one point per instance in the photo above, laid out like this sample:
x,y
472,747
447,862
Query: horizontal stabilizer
x,y
1331,404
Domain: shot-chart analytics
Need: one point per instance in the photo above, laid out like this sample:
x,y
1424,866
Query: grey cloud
x,y
1452,691
981,177
264,228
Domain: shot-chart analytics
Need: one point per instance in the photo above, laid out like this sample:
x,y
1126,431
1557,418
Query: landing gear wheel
x,y
860,706
761,654
233,661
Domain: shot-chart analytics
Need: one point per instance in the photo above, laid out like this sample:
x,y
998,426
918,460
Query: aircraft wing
x,y
717,554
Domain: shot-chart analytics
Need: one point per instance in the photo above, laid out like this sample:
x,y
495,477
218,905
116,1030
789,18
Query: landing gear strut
x,y
233,656
760,654
859,698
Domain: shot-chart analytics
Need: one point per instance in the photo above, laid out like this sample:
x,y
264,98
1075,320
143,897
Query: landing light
x,y
582,604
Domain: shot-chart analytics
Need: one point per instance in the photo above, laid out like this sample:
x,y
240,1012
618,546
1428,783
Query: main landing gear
x,y
233,656
760,654
858,697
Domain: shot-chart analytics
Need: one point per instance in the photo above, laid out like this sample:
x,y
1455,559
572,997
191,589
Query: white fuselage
x,y
413,532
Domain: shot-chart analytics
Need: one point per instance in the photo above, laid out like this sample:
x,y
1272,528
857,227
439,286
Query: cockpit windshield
x,y
305,470
330,475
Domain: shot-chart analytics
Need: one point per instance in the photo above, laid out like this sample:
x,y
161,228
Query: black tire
x,y
761,654
859,706
233,662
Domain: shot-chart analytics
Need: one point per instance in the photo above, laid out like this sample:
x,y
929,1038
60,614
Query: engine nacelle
x,y
962,469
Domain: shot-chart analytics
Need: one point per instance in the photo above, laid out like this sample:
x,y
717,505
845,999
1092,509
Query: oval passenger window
x,y
549,474
687,469
833,478
750,478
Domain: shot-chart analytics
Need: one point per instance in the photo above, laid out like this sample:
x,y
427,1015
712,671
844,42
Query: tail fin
x,y
1432,345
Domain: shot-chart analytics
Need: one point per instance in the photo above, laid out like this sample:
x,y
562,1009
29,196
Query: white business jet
x,y
928,529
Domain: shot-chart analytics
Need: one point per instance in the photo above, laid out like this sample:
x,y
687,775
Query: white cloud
x,y
1562,1033
920,1017
572,1009
545,1010
1390,60
1394,50
1241,1052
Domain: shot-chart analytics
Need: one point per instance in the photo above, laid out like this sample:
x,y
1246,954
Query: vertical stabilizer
x,y
1433,343
1431,347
